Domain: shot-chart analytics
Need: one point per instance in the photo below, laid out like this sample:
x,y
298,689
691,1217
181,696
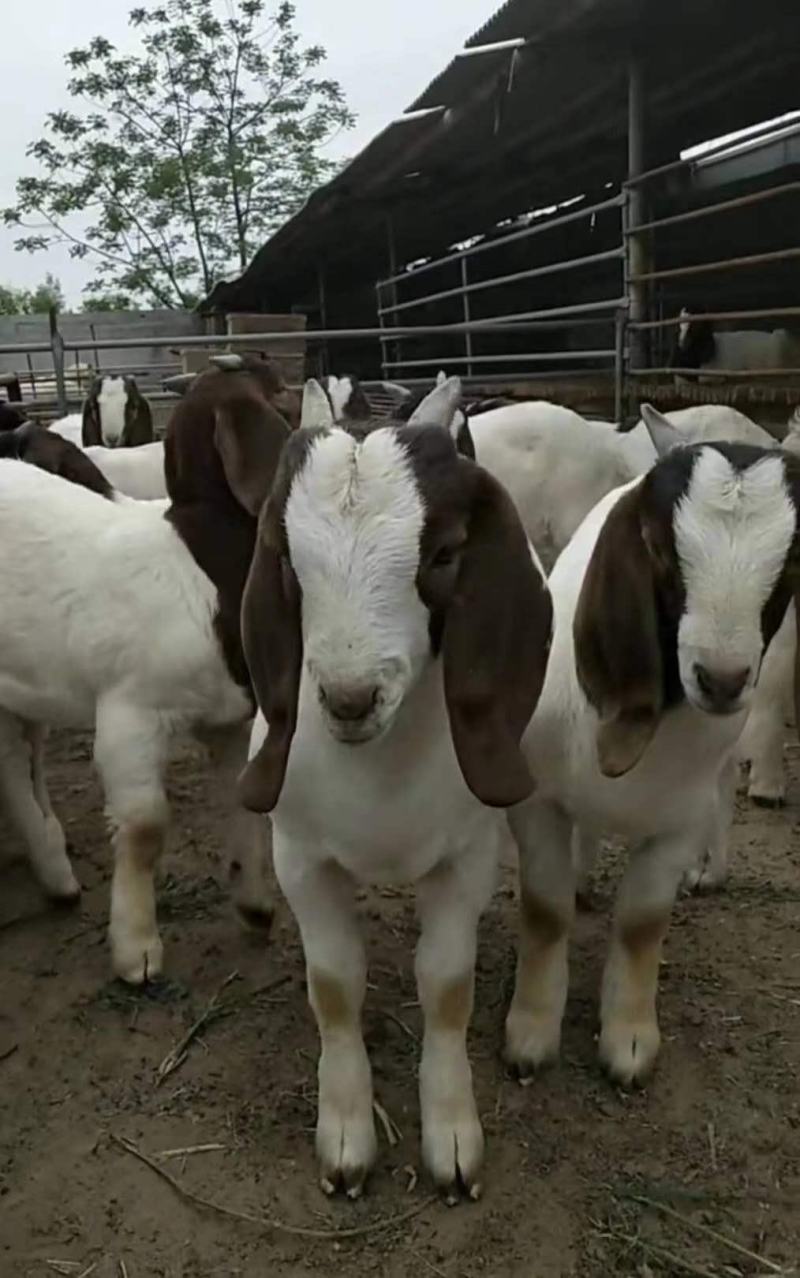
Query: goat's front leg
x,y
450,901
711,869
130,750
629,1035
24,793
543,834
762,739
322,900
249,844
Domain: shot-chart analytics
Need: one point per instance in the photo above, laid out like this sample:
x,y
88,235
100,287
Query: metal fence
x,y
743,286
587,327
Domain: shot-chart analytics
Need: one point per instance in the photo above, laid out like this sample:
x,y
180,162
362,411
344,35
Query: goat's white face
x,y
733,529
354,519
111,401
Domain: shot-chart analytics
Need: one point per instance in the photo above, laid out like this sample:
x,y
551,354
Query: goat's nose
x,y
349,704
721,687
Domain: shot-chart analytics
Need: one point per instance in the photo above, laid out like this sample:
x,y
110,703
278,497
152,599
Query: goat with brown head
x,y
116,414
688,583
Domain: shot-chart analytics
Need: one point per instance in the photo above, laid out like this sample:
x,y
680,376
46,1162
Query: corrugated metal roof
x,y
529,127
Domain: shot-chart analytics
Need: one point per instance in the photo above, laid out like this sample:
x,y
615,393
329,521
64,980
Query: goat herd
x,y
374,586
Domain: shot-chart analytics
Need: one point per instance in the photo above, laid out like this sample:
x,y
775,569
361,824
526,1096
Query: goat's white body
x,y
69,427
409,778
114,606
673,804
392,811
699,424
553,463
107,621
136,472
754,349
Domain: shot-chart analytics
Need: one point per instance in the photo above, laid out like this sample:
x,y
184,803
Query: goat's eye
x,y
445,557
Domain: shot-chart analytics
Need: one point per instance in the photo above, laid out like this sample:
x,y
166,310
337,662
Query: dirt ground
x,y
697,1174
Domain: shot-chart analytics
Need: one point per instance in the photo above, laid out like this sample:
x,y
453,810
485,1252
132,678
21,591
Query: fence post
x,y
466,311
619,364
636,258
57,350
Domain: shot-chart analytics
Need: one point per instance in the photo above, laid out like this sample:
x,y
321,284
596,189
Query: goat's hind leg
x,y
27,803
130,752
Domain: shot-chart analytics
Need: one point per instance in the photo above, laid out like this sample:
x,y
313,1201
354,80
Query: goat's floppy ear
x,y
90,429
249,439
138,417
273,648
617,649
663,435
495,643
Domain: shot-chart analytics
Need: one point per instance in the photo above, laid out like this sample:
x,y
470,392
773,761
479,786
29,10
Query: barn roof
x,y
529,124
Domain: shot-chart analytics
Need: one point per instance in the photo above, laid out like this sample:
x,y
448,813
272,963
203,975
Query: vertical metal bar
x,y
381,325
57,349
323,315
465,307
619,364
394,349
636,250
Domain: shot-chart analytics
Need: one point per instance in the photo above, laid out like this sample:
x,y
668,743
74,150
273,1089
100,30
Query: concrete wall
x,y
148,363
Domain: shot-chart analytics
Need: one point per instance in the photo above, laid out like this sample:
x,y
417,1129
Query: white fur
x,y
732,534
111,403
554,464
677,800
762,740
394,809
698,424
107,619
69,427
135,472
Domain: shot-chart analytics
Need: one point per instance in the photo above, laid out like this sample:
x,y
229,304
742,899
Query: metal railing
x,y
391,304
656,275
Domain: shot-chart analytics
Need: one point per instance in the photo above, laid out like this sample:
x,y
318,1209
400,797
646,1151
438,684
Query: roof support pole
x,y
637,255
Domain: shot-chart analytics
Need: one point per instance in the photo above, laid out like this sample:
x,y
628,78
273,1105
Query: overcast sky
x,y
384,54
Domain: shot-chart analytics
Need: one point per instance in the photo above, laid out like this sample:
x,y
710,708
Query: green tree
x,y
186,155
37,301
106,302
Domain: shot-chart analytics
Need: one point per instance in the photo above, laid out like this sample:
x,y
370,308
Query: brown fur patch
x,y
144,844
454,1005
542,919
329,1000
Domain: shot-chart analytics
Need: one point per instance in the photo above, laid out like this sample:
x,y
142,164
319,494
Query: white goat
x,y
396,626
127,616
663,603
700,345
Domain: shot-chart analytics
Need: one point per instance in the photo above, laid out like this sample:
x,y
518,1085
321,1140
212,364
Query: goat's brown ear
x,y
90,427
495,644
273,647
249,441
138,417
617,650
